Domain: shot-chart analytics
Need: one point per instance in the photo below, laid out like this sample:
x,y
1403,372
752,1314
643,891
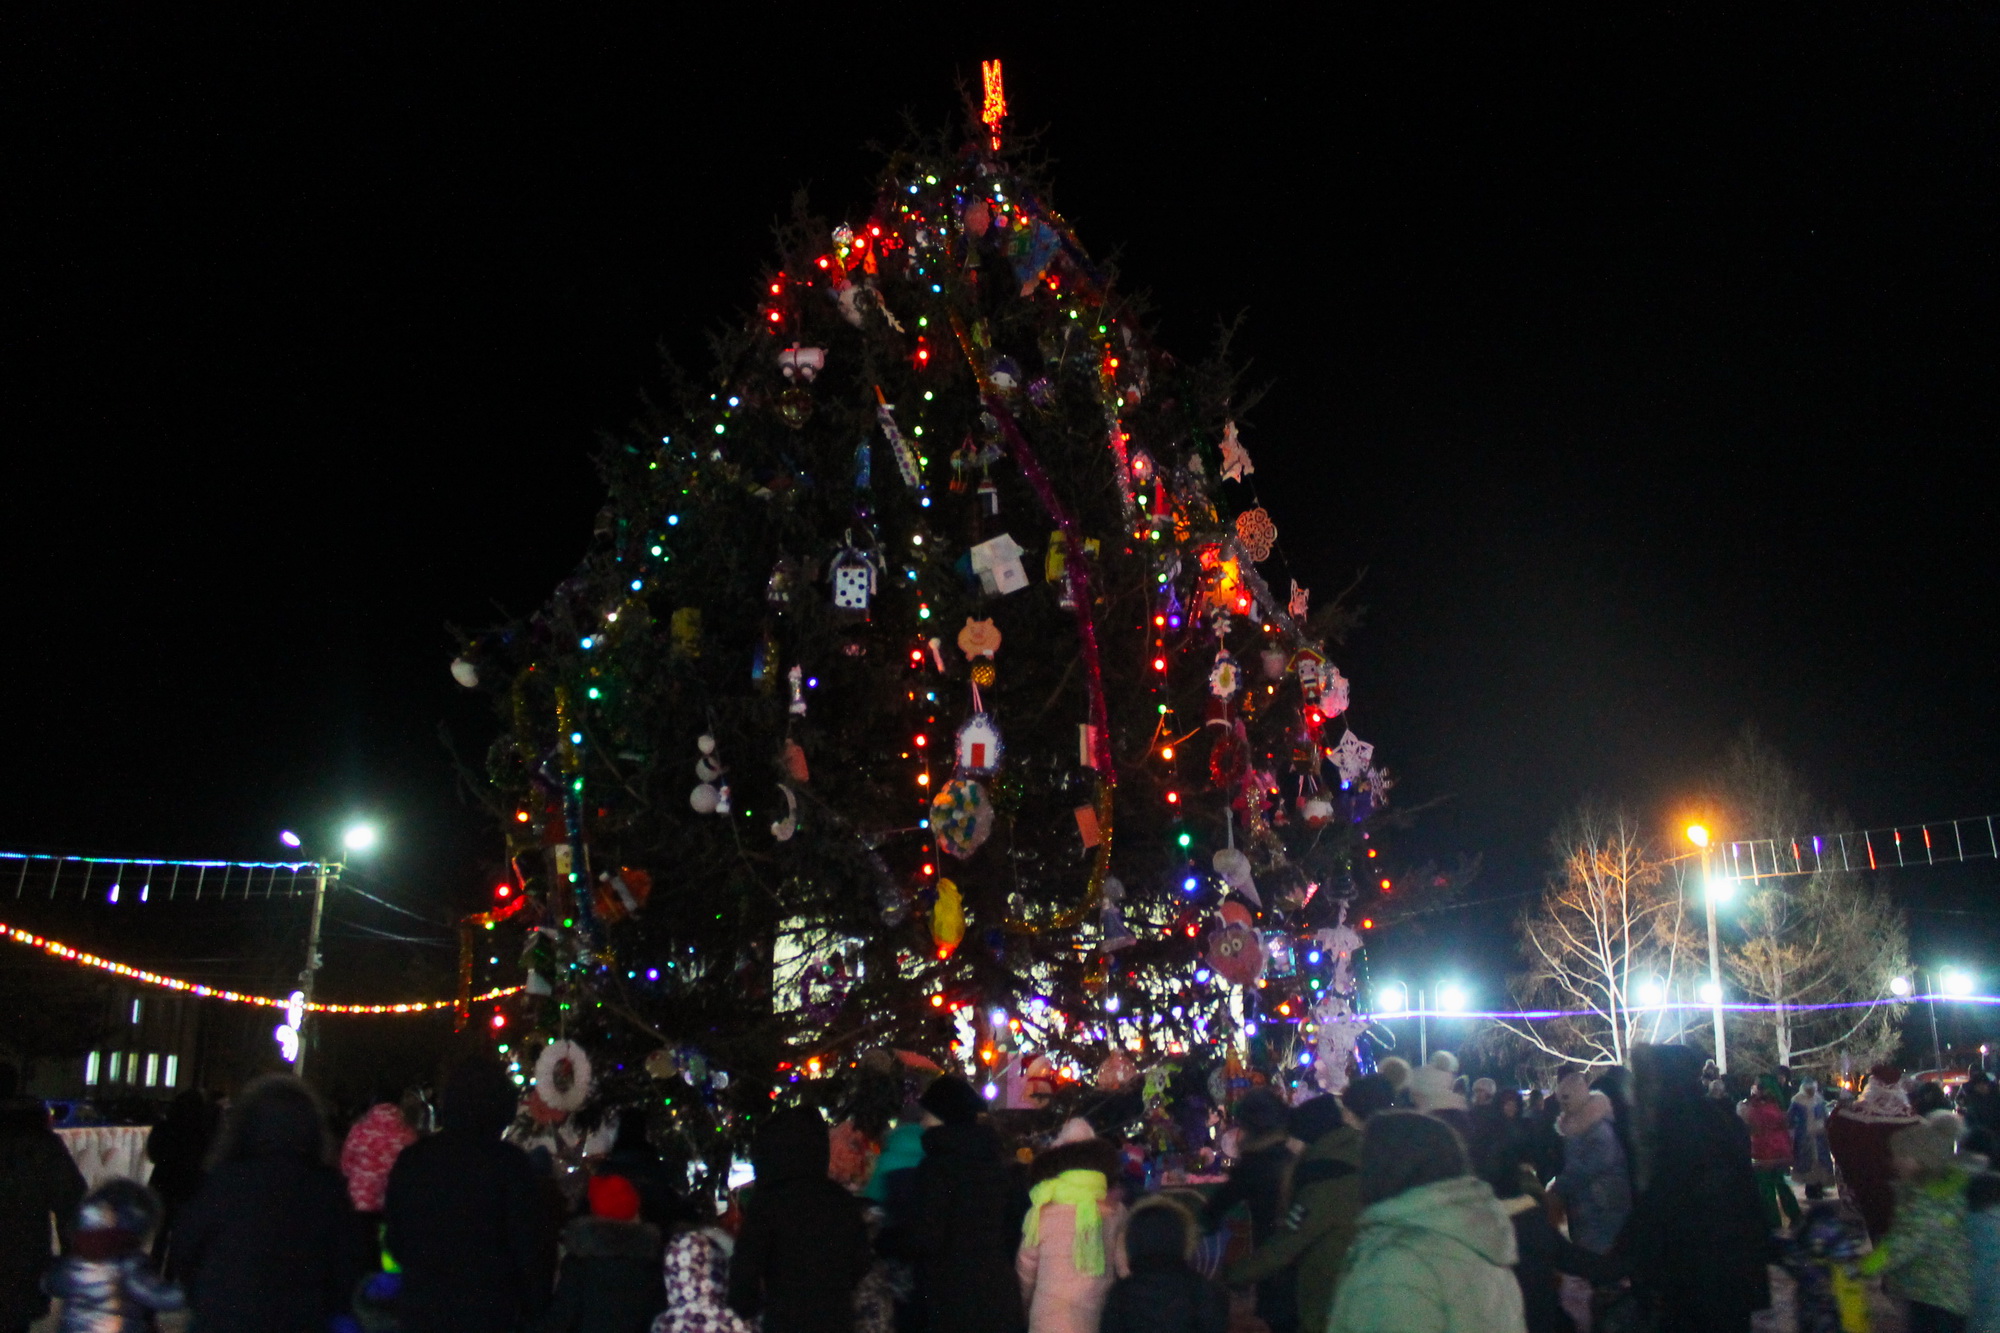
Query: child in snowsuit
x,y
697,1273
1162,1294
1926,1256
1820,1258
107,1284
611,1263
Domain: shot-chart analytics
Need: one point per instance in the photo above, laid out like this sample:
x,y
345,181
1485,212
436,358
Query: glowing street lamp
x,y
359,837
1899,987
1956,982
1393,998
1452,998
1651,993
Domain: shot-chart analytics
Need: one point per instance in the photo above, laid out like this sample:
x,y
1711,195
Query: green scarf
x,y
1082,1190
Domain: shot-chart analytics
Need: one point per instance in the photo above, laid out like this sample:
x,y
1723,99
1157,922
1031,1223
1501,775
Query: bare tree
x,y
1608,931
1828,939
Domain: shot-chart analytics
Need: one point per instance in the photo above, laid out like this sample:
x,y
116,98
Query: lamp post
x,y
1698,835
356,838
1451,998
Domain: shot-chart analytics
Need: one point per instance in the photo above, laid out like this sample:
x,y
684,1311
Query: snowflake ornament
x,y
1257,533
1351,756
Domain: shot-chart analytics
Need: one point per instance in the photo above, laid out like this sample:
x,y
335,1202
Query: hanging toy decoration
x,y
997,562
1256,533
783,829
621,895
710,797
1236,462
802,364
1300,603
1112,917
854,577
906,456
562,1076
980,751
947,919
961,818
465,673
1351,757
1236,953
979,638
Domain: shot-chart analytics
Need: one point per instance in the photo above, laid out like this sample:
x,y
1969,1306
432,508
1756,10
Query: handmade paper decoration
x,y
711,797
796,679
1116,1072
947,918
802,363
1300,603
854,579
1087,827
562,1076
1236,462
1333,699
979,638
1351,756
906,456
783,829
621,895
793,759
980,750
1112,917
1233,868
1237,954
1256,533
997,562
961,817
1224,680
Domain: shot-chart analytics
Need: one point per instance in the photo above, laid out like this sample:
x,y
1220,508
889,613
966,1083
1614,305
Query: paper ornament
x,y
1235,914
621,895
1301,601
979,748
1087,826
979,638
465,673
1116,1071
961,817
793,760
1351,756
1224,679
1236,954
1236,462
1256,533
1233,868
854,580
947,918
1333,698
562,1076
802,363
997,562
906,456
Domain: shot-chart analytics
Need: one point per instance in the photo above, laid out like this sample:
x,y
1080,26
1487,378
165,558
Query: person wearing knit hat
x,y
1074,1221
610,1279
106,1282
1595,1184
952,1101
1397,1070
1444,1060
1926,1257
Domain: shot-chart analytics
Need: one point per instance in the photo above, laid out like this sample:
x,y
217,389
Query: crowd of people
x,y
1413,1202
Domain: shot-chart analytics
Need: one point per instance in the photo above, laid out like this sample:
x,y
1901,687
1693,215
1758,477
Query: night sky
x,y
1645,365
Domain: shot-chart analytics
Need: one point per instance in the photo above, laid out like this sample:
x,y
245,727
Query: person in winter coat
x,y
178,1149
466,1216
1827,1297
697,1279
1770,1152
372,1146
1812,1160
969,1208
1544,1253
1071,1228
38,1182
1858,1137
1323,1199
1433,1252
107,1284
1595,1185
269,1244
1433,1091
1982,1234
1161,1292
610,1279
1926,1257
1397,1070
1695,1242
804,1246
1255,1182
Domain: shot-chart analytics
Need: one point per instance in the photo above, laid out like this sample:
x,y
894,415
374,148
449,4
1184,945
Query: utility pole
x,y
311,970
1698,835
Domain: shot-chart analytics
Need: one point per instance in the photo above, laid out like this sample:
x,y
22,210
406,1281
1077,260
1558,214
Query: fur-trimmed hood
x,y
606,1238
1596,1107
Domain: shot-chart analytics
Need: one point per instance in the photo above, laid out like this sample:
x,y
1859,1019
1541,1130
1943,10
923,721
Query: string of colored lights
x,y
57,949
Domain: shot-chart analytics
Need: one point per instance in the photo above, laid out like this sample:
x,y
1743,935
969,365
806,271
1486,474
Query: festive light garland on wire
x,y
57,949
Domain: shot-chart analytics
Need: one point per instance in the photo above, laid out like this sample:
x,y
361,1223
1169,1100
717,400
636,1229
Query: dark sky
x,y
1646,365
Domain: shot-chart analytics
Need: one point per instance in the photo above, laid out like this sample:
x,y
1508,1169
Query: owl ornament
x,y
1236,953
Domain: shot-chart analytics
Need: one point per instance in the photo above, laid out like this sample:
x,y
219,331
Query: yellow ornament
x,y
983,675
947,918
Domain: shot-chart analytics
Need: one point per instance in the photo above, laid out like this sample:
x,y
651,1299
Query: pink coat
x,y
372,1147
1058,1298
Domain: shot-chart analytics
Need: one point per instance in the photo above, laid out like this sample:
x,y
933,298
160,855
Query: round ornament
x,y
704,799
1116,1071
465,673
961,817
983,675
1229,759
660,1064
562,1076
1257,533
1237,955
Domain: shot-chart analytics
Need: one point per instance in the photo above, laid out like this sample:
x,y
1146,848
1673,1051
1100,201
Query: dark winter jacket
x,y
1311,1239
1696,1241
37,1179
969,1206
1257,1181
804,1245
466,1219
268,1244
610,1279
1165,1298
1544,1256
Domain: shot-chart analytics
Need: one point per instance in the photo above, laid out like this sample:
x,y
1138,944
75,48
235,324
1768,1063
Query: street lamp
x,y
1451,998
357,837
1712,992
1652,994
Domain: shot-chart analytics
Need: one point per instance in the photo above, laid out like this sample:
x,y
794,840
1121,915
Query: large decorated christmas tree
x,y
925,689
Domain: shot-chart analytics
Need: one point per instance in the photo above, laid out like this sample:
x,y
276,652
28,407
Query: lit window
x,y
111,1074
173,1079
135,1011
90,1070
152,1069
131,1066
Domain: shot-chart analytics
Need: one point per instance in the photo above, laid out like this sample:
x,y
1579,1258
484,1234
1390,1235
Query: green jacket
x,y
1927,1255
1315,1231
1435,1259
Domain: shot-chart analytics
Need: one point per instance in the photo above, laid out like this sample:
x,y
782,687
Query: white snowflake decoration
x,y
1351,756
